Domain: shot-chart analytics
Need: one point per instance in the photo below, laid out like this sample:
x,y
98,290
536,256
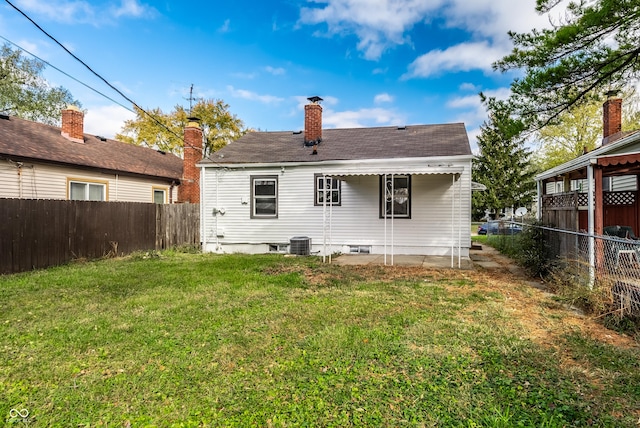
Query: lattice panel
x,y
560,200
619,198
583,199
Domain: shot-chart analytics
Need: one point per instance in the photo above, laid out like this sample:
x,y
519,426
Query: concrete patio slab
x,y
439,262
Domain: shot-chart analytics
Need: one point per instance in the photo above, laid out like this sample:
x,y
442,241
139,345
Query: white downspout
x,y
393,214
117,187
453,208
324,219
330,214
591,226
459,221
217,206
384,210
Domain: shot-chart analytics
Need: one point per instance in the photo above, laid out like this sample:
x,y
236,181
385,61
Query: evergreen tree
x,y
593,49
503,166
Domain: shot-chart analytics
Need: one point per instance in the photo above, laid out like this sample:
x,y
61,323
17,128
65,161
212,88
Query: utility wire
x,y
102,78
66,74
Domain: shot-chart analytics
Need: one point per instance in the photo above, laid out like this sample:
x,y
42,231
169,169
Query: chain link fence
x,y
609,262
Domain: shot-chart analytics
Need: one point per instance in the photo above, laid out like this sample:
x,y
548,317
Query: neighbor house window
x,y
329,187
87,191
264,197
395,196
159,196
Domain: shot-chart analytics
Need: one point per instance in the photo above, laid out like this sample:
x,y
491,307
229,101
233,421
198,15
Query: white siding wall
x,y
355,222
624,182
618,184
37,181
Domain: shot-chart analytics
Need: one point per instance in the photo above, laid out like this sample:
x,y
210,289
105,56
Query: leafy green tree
x,y
579,129
25,93
576,131
503,166
165,131
593,50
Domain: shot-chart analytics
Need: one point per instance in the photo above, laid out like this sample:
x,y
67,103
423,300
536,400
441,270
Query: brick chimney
x,y
189,190
73,124
313,122
611,118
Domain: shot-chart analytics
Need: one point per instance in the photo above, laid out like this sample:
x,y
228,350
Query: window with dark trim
x,y
395,196
264,196
327,186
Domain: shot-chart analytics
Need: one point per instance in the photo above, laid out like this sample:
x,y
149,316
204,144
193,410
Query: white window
x,y
159,196
264,197
327,186
82,191
395,196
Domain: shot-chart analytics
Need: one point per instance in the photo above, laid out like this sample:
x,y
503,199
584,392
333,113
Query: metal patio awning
x,y
425,170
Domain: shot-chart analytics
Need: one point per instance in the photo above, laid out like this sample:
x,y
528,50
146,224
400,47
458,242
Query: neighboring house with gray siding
x,y
384,190
39,161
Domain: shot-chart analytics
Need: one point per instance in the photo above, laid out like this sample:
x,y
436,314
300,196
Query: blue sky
x,y
375,62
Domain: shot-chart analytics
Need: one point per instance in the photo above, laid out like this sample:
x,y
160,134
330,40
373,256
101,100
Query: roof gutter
x,y
427,160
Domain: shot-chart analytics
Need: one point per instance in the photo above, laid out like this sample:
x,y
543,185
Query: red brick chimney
x,y
313,121
73,124
189,190
611,118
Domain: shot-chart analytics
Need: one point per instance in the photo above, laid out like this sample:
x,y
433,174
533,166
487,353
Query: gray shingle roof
x,y
347,144
24,140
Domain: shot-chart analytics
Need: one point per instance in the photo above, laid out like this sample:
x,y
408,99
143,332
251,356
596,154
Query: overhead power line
x,y
137,107
66,74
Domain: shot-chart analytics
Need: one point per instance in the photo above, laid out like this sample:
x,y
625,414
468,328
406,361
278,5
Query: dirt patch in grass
x,y
543,319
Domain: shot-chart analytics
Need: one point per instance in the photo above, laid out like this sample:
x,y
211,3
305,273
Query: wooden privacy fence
x,y
36,234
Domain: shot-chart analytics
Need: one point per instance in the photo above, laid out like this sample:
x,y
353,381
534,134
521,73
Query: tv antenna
x,y
191,100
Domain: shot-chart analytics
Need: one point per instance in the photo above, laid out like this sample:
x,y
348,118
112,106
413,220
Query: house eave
x,y
36,161
338,163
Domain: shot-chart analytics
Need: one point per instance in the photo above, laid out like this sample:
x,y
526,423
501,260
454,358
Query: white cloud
x,y
249,95
382,98
462,57
60,10
225,27
382,24
469,87
276,71
473,140
106,121
379,24
473,113
81,11
492,19
361,118
133,9
243,75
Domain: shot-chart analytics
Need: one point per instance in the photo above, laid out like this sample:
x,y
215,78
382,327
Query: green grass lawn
x,y
192,340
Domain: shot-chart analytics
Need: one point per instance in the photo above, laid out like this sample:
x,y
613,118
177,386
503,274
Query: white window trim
x,y
255,178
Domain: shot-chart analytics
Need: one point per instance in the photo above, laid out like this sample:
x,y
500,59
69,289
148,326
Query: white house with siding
x,y
385,190
40,161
